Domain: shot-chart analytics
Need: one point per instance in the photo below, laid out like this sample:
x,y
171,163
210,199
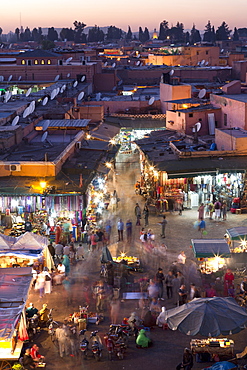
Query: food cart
x,y
222,347
24,250
15,284
211,254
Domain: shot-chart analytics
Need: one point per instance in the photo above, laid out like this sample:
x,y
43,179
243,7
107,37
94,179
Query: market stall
x,y
222,347
211,254
15,284
24,250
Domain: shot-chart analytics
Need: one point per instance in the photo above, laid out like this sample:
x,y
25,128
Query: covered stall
x,y
237,240
211,254
24,250
15,284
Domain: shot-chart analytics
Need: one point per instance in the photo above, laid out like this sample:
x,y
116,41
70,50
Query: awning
x,y
190,174
237,233
204,248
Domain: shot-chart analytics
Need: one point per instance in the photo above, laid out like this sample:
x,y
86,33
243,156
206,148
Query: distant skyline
x,y
145,13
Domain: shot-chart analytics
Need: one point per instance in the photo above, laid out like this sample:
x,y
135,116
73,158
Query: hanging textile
x,y
22,333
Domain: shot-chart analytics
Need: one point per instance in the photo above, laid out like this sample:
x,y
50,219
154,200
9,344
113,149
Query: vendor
x,y
36,356
31,311
28,361
44,313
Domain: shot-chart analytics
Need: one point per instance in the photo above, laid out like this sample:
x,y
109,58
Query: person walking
x,y
129,230
120,228
201,211
224,210
169,284
138,214
217,209
202,226
159,280
63,338
163,224
146,214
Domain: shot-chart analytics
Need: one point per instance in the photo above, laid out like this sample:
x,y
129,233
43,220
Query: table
x,y
223,347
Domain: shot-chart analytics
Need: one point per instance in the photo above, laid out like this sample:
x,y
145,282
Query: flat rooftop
x,y
235,132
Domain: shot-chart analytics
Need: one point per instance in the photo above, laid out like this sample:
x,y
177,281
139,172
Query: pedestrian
x,y
155,307
182,258
159,281
169,284
217,209
138,214
228,281
93,240
101,239
48,281
67,288
201,211
66,250
66,264
59,251
108,231
99,291
194,292
146,214
182,295
44,314
51,250
114,311
129,230
175,288
152,290
163,224
120,228
202,226
58,231
63,338
187,362
211,210
40,284
80,252
224,210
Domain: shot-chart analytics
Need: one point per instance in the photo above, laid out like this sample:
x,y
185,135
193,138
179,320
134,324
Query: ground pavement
x,y
168,345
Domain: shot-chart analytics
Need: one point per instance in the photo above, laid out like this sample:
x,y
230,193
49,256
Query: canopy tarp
x,y
237,233
14,283
30,241
208,317
222,365
204,248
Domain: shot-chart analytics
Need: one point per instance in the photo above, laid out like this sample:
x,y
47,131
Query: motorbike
x,y
32,326
115,345
52,326
96,345
84,343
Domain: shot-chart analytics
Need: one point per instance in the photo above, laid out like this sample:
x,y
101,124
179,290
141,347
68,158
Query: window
x,y
179,114
23,61
48,61
36,61
29,62
197,53
225,119
206,52
42,61
190,114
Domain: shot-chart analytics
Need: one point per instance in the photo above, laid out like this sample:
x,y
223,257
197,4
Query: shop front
x,y
236,238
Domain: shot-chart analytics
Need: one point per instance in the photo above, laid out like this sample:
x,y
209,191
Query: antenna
x,y
44,136
45,101
28,92
68,60
10,78
138,62
151,101
80,96
26,112
196,127
53,93
113,65
83,78
202,93
19,78
171,73
56,78
75,83
15,121
46,125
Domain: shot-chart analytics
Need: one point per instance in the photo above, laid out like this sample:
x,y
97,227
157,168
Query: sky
x,y
121,13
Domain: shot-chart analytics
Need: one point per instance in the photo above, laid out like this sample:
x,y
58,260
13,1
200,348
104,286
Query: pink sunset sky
x,y
146,13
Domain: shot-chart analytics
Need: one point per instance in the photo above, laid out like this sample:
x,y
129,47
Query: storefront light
x,y
101,205
112,142
42,184
151,168
108,164
99,210
243,243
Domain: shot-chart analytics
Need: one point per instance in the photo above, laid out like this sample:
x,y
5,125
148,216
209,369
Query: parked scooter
x,y
115,345
32,326
84,343
96,345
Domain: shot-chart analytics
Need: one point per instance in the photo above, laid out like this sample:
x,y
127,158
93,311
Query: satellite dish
x,y
114,88
197,127
32,103
222,51
75,83
45,101
171,73
28,92
26,112
53,93
15,121
19,78
151,101
1,78
68,75
7,96
68,60
10,78
120,82
64,87
44,136
98,96
32,106
114,65
83,78
56,78
202,93
138,56
203,62
57,90
81,95
138,63
46,125
105,64
206,64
